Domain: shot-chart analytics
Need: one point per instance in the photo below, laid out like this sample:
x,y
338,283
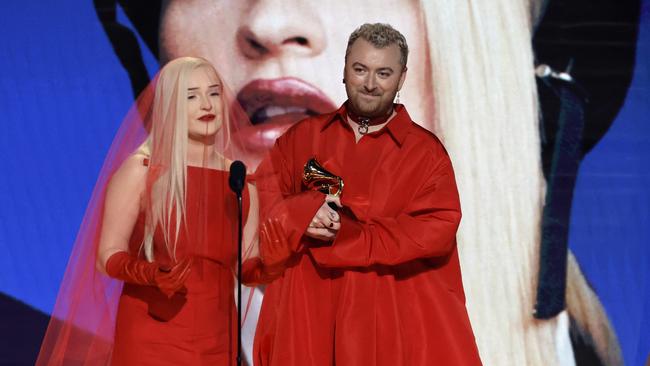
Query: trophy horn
x,y
318,178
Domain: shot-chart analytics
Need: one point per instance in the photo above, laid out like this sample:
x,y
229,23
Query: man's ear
x,y
402,78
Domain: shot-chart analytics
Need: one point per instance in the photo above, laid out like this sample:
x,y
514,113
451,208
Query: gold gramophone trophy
x,y
318,178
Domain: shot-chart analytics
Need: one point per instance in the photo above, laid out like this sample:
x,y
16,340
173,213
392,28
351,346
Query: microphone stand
x,y
237,181
239,277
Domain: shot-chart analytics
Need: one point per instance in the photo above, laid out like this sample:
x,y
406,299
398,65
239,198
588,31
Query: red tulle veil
x,y
82,326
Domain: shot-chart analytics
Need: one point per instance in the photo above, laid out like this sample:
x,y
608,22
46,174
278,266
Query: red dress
x,y
198,327
388,290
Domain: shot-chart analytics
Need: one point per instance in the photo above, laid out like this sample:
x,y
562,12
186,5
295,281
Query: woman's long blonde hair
x,y
166,148
486,113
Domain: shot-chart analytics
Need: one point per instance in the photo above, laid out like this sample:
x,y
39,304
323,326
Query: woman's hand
x,y
140,272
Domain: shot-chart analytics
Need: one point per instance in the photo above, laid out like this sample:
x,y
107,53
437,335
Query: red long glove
x,y
140,272
253,273
275,251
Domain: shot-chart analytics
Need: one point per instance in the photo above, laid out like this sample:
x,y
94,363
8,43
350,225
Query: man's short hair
x,y
380,35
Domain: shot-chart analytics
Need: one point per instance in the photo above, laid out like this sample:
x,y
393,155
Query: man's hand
x,y
326,222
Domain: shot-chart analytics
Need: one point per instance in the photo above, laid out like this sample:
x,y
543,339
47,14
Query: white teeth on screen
x,y
296,110
272,111
271,134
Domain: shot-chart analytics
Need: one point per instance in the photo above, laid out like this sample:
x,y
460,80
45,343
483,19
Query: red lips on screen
x,y
273,105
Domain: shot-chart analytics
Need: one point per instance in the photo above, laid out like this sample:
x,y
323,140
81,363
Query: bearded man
x,y
373,275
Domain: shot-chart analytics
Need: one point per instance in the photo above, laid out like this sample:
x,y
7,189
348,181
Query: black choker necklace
x,y
365,122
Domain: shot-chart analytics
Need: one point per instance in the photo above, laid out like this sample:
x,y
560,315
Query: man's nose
x,y
276,28
370,83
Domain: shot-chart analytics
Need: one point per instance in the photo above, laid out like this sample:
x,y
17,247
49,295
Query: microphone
x,y
237,177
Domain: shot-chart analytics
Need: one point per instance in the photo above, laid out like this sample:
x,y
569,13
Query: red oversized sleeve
x,y
425,228
279,186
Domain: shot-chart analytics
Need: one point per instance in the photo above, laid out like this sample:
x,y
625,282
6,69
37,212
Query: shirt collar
x,y
397,127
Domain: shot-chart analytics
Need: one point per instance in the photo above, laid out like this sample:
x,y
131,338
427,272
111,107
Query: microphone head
x,y
237,176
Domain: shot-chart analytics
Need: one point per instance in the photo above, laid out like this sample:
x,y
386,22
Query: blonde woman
x,y
163,222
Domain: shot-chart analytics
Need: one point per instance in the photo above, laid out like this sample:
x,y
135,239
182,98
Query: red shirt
x,y
388,289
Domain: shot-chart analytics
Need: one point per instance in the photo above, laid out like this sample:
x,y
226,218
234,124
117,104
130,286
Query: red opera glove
x,y
252,272
275,251
140,272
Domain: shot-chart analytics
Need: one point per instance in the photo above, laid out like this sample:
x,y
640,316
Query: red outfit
x,y
197,326
388,289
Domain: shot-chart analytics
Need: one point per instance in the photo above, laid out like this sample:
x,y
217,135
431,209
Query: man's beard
x,y
379,109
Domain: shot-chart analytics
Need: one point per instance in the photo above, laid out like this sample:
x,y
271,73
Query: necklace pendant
x,y
363,126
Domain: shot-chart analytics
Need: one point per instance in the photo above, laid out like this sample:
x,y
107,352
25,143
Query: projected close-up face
x,y
285,59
